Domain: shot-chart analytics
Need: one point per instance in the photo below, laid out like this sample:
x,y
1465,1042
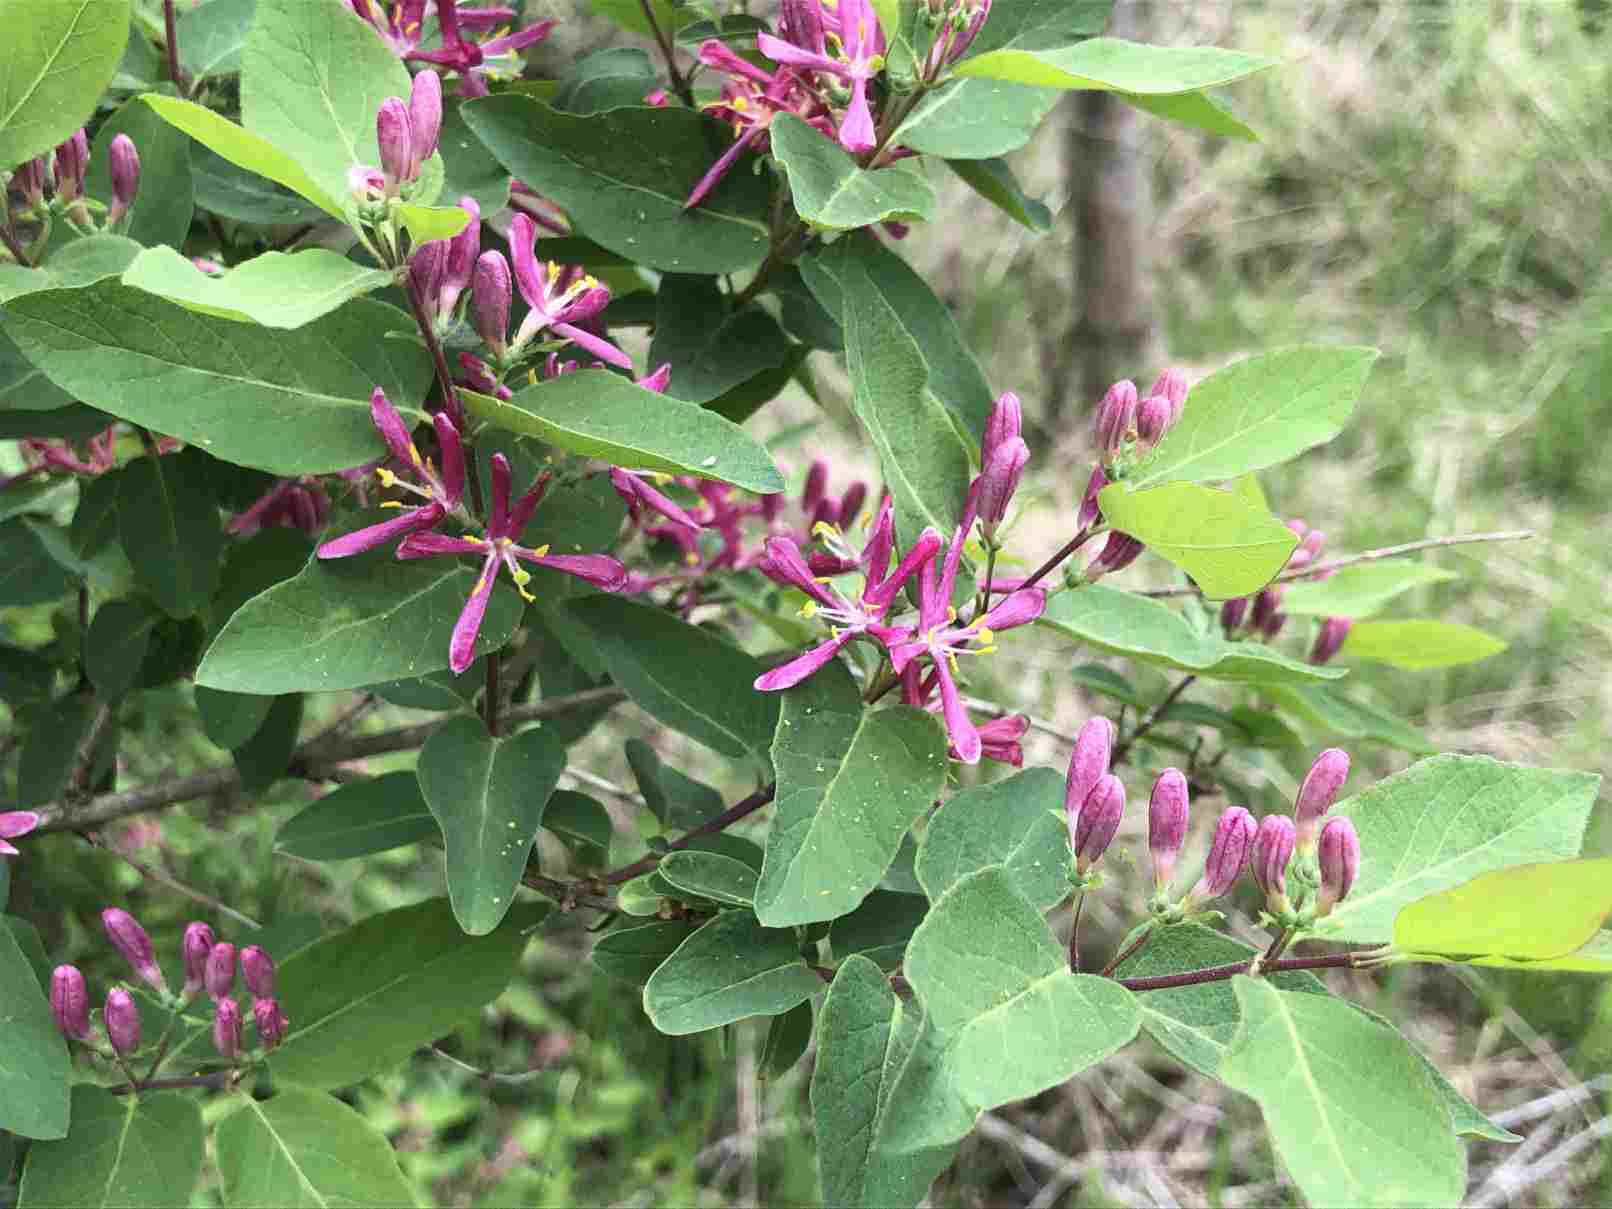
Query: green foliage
x,y
275,289
1417,645
168,526
33,1072
831,191
144,1152
359,818
1015,824
730,969
1358,591
1113,65
1230,545
711,347
1524,914
62,55
211,37
166,201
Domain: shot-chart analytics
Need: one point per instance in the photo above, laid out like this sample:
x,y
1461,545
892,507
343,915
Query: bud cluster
x,y
1128,426
1262,614
52,186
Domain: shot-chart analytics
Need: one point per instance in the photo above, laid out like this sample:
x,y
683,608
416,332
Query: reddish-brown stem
x,y
450,395
1074,933
215,1081
14,245
1150,719
722,821
1128,951
171,33
668,50
1162,982
1048,567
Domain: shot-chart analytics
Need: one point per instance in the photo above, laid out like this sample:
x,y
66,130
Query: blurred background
x,y
1433,178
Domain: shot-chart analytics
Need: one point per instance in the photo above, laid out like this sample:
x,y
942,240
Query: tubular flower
x,y
1089,761
197,944
1228,853
1273,849
227,1028
559,297
401,26
298,503
442,490
1330,638
859,45
750,99
1093,826
130,939
958,24
124,163
1340,864
218,976
70,1002
499,549
999,739
1318,792
1167,813
122,1020
14,824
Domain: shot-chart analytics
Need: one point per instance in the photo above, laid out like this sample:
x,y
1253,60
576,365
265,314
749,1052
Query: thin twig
x,y
173,883
215,1082
491,1076
78,786
14,245
1074,932
1128,951
569,895
1046,568
724,820
668,50
171,34
1150,719
1161,982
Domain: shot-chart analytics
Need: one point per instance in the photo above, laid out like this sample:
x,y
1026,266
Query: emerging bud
x,y
122,1020
130,939
1172,384
72,162
1318,791
1093,828
1266,606
1116,416
426,263
460,261
1228,852
195,947
999,480
219,977
70,1002
1307,551
1273,849
395,138
1167,813
366,184
1329,641
489,300
1232,614
425,119
1093,749
271,1022
816,484
1340,864
125,166
1004,425
257,971
1090,513
851,503
1152,419
227,1028
29,180
1118,552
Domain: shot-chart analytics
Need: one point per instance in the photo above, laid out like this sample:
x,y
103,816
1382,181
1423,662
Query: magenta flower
x,y
498,549
559,297
750,99
15,824
401,26
860,58
442,490
298,503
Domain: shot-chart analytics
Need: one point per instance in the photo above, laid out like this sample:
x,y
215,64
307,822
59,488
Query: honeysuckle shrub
x,y
322,371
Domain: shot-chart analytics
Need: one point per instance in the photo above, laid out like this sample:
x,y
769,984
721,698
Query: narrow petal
x,y
521,514
7,850
410,523
657,381
427,545
1021,608
715,53
498,522
715,173
856,127
453,459
799,668
780,51
785,564
528,273
922,554
880,545
600,570
392,428
598,346
635,488
462,648
903,654
519,40
965,739
14,823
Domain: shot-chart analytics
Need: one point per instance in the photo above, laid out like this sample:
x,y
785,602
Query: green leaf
x,y
210,37
730,969
1015,823
851,782
22,386
358,819
601,415
28,574
1445,820
788,1038
676,800
1592,957
1152,632
629,14
169,525
830,190
633,954
1418,645
33,1062
24,676
488,796
274,289
231,191
1013,1020
139,1152
427,224
1522,913
954,375
1196,109
1349,1107
736,29
975,119
245,150
255,565
1358,591
32,946
1259,412
305,1147
710,875
594,167
606,79
861,1045
367,997
1344,717
712,348
264,757
313,74
879,929
116,646
60,56
166,201
1037,24
81,263
286,402
683,675
582,823
1115,65
1229,546
993,180
469,168
349,622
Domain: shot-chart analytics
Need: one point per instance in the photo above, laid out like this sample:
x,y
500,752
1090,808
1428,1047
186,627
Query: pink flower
x,y
559,297
860,58
14,824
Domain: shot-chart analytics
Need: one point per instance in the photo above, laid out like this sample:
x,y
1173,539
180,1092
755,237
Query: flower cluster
x,y
403,26
52,185
209,965
406,134
1262,613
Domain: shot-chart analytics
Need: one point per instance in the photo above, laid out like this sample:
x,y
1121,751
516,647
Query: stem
x,y
784,249
78,786
171,35
1283,939
450,396
722,821
173,883
1046,568
165,1041
1074,933
1161,982
1128,951
984,605
215,1082
1150,719
489,705
14,245
1368,556
668,51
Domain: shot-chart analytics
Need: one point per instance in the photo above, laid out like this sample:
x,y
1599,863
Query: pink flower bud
x,y
195,947
1318,791
659,98
1004,424
460,261
425,119
1167,813
70,1002
29,180
271,1022
1118,552
1330,639
489,300
1152,419
1232,614
1307,551
1090,513
130,939
1273,848
1340,864
1266,605
122,1020
257,971
816,484
395,138
851,502
125,167
366,184
1093,748
1093,828
1116,415
1172,384
72,162
425,271
1228,852
227,1028
219,976
999,480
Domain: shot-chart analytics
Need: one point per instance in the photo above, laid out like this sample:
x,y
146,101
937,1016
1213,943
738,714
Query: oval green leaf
x,y
133,1152
358,819
60,56
1522,913
1418,645
732,968
1230,546
830,190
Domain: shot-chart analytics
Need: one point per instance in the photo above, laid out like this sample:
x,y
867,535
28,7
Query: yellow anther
x,y
691,559
387,478
740,103
554,272
951,612
474,540
542,551
521,576
531,376
823,579
414,454
809,609
986,636
391,503
825,530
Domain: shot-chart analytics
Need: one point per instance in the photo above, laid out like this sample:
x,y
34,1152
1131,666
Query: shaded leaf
x,y
1016,823
879,929
264,757
274,289
169,527
358,819
138,1152
163,208
676,800
1417,645
633,954
830,190
34,1063
712,349
730,969
60,57
993,180
1358,591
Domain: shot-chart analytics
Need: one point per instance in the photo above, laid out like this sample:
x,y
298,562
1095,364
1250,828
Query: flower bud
x,y
1266,604
227,1028
125,166
1329,641
816,484
425,119
1172,384
70,1002
219,976
271,1022
1118,552
130,939
1090,512
999,480
1093,749
1167,812
1152,419
395,139
29,180
460,261
1004,425
1116,415
425,271
366,184
1232,614
72,162
195,947
1307,551
122,1020
1340,864
489,300
1093,828
257,971
1318,791
1273,848
1228,852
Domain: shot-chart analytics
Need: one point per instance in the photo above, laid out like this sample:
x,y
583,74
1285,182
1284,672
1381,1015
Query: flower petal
x,y
780,51
597,345
528,273
405,526
14,823
784,563
965,739
600,570
521,514
802,666
462,648
1021,608
498,522
426,545
453,459
392,428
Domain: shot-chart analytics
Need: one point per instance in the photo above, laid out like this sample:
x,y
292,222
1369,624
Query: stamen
x,y
391,503
387,478
809,609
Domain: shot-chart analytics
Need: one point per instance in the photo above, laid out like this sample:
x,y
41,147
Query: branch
x,y
314,758
680,84
173,883
1329,961
14,245
1150,719
1371,556
722,821
171,35
1046,568
213,1082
